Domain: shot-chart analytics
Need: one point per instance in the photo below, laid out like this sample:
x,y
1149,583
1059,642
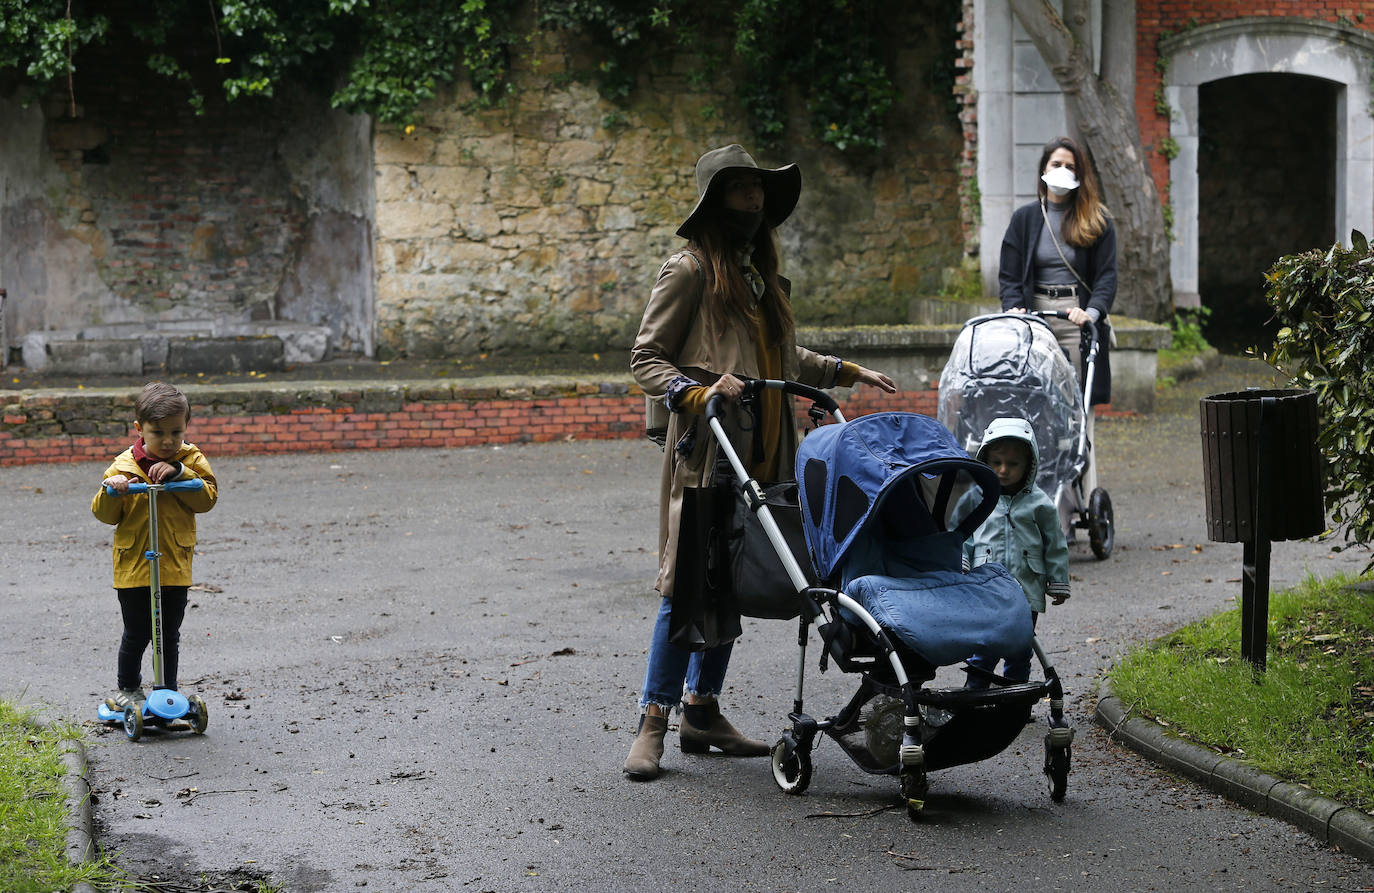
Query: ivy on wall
x,y
386,58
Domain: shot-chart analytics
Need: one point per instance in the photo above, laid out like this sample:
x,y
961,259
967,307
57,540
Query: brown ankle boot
x,y
703,727
642,763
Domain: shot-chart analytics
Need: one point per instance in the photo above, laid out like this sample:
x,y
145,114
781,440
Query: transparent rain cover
x,y
1010,365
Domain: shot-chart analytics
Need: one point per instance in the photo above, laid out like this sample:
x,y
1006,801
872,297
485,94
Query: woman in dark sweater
x,y
1059,253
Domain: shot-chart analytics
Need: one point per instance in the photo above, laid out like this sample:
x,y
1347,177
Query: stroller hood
x,y
1009,364
886,465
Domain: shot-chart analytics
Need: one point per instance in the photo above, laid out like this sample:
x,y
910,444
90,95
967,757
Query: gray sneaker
x,y
126,697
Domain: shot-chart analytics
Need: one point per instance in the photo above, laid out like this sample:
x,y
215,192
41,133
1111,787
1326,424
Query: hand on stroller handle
x,y
141,487
752,386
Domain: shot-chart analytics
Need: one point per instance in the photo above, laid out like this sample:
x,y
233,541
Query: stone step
x,y
182,347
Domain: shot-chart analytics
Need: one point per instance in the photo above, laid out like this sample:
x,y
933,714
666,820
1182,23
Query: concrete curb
x,y
81,827
77,791
1332,823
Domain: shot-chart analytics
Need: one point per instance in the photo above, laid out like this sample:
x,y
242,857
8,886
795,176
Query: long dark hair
x,y
1086,218
728,294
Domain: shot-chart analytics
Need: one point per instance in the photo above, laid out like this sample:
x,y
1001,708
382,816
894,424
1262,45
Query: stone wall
x,y
127,207
535,226
541,224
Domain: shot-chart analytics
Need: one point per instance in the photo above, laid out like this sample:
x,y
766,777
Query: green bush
x,y
1324,305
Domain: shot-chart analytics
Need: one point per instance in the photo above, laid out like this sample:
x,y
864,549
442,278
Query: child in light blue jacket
x,y
1022,534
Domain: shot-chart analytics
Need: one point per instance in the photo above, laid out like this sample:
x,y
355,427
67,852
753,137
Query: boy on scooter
x,y
160,455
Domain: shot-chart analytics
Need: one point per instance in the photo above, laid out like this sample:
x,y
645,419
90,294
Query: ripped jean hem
x,y
671,704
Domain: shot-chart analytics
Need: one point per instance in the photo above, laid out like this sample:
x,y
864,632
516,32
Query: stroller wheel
x,y
1101,528
791,766
915,787
1057,770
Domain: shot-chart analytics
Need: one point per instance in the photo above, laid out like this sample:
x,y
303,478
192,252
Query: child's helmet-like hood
x,y
1012,429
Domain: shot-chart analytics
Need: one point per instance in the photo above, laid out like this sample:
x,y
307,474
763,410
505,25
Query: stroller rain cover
x,y
1011,365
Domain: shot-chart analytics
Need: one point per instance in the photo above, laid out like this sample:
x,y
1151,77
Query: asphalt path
x,y
422,670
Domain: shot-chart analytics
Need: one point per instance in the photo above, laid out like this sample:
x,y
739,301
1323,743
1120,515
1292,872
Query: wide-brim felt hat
x,y
781,186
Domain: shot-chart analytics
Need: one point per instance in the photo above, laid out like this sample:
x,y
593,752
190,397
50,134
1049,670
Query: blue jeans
x,y
671,667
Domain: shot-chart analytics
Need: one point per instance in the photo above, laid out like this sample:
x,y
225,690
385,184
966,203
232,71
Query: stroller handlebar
x,y
752,386
1064,314
140,487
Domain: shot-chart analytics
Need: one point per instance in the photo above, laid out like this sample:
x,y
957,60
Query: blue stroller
x,y
881,499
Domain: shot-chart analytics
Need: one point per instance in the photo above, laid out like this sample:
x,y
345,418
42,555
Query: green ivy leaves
x,y
1324,305
387,58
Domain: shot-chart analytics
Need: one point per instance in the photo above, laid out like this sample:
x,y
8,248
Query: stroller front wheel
x,y
1057,770
1101,527
791,766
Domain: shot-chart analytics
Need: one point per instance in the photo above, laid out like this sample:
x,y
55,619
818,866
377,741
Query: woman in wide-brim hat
x,y
718,312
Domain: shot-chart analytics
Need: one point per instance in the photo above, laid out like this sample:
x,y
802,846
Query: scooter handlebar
x,y
140,487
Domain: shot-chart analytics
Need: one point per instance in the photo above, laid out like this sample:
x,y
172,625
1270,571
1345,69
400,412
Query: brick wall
x,y
96,425
1159,18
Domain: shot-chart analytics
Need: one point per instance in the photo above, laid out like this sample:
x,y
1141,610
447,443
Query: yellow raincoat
x,y
176,513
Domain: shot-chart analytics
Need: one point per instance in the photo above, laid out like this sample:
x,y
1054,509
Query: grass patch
x,y
1309,718
33,810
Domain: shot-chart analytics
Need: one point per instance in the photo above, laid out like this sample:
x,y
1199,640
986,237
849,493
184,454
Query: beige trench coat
x,y
675,340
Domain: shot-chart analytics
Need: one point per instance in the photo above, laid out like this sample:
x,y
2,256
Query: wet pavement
x,y
421,670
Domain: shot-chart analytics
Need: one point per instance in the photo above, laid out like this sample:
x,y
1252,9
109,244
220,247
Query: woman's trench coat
x,y
675,340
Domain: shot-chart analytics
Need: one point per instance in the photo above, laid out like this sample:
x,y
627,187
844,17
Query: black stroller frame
x,y
992,717
1094,512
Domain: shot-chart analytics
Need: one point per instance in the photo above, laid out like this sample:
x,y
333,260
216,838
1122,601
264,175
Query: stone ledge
x,y
915,355
179,346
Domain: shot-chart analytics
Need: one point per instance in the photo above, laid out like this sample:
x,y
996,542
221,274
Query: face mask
x,y
741,225
1060,180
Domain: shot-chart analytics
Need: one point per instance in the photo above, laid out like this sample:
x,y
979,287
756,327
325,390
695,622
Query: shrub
x,y
1324,305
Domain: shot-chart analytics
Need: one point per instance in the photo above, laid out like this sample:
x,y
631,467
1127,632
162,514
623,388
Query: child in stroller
x,y
878,498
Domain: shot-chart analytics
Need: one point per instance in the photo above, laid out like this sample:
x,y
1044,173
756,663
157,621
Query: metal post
x,y
1254,602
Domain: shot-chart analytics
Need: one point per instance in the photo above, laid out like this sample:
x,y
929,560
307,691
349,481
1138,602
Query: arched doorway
x,y
1336,54
1266,175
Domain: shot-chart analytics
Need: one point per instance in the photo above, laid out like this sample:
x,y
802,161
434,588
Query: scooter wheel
x,y
792,771
133,722
1101,527
199,714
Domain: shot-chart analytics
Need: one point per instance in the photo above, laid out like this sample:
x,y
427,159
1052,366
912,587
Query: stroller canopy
x,y
889,467
1011,365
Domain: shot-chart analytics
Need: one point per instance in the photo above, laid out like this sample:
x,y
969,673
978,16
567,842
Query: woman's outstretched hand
x,y
876,379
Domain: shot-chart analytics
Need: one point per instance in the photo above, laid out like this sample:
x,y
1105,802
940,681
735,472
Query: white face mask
x,y
1060,180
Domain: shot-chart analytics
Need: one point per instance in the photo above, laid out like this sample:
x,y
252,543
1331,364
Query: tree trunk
x,y
1104,116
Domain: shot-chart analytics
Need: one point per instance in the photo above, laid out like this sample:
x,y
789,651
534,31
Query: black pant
x,y
135,604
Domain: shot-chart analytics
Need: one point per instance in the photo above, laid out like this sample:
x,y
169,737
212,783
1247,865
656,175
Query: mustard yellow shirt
x,y
769,435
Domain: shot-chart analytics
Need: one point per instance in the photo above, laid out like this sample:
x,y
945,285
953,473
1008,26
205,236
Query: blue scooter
x,y
163,705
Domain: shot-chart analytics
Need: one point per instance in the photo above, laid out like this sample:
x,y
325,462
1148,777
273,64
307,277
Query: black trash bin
x,y
1262,472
